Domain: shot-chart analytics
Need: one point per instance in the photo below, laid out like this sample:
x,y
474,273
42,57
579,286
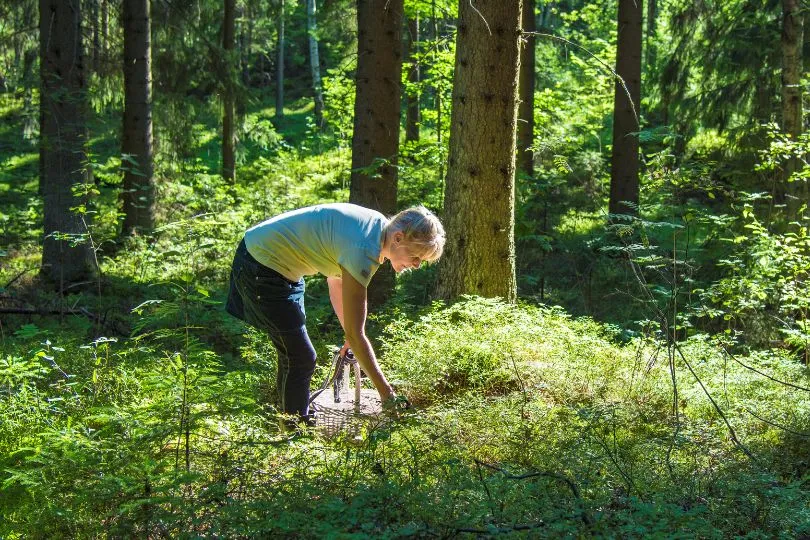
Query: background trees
x,y
699,105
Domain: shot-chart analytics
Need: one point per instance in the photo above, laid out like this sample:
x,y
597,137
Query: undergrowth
x,y
526,420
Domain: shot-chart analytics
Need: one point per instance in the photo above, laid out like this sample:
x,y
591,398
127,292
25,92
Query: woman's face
x,y
404,256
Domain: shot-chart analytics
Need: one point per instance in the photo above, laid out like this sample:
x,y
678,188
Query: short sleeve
x,y
357,262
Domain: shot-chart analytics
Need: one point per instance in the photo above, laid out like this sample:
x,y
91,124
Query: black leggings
x,y
268,301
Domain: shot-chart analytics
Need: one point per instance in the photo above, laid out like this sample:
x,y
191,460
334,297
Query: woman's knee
x,y
296,352
303,359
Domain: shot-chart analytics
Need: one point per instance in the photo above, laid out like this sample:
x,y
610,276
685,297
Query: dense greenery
x,y
651,380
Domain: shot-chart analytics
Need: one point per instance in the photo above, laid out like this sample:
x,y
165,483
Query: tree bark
x,y
139,184
479,204
245,43
624,182
525,137
412,96
105,28
795,193
280,62
62,142
792,38
228,133
314,61
437,90
94,14
29,76
651,50
375,138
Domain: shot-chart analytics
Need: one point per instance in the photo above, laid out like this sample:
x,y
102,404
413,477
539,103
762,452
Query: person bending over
x,y
344,242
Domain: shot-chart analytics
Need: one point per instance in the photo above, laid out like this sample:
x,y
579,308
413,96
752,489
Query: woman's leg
x,y
266,300
296,364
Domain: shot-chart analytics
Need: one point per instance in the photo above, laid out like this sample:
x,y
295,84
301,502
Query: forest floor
x,y
156,420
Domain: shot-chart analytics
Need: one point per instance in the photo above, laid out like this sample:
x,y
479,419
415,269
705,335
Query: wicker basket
x,y
340,407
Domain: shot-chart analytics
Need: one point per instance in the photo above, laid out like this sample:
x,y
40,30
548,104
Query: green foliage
x,y
153,415
338,96
764,293
713,76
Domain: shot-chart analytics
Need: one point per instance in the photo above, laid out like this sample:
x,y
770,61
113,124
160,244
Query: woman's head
x,y
419,231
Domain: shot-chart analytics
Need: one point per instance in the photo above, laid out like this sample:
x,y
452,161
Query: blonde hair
x,y
422,229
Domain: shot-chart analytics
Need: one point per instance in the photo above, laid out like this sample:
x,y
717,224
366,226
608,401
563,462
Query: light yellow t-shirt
x,y
319,240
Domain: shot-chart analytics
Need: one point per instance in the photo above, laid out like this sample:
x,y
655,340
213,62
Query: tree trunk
x,y
412,96
29,82
105,27
479,204
437,90
139,184
624,170
792,39
525,137
29,76
375,139
245,43
228,134
62,142
314,61
651,51
94,14
280,62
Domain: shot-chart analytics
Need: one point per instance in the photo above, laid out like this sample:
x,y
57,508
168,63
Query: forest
x,y
614,343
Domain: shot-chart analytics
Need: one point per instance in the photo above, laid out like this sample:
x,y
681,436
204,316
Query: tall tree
x,y
228,133
525,135
412,96
94,16
792,41
624,166
245,43
651,49
139,184
29,76
105,30
479,205
314,60
62,141
280,61
436,85
375,138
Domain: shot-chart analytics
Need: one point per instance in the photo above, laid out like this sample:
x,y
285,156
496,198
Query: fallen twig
x,y
548,474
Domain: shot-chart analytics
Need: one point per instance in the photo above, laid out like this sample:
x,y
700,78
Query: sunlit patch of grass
x,y
18,172
581,224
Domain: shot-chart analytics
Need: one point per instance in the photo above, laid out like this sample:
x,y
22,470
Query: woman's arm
x,y
353,306
336,297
